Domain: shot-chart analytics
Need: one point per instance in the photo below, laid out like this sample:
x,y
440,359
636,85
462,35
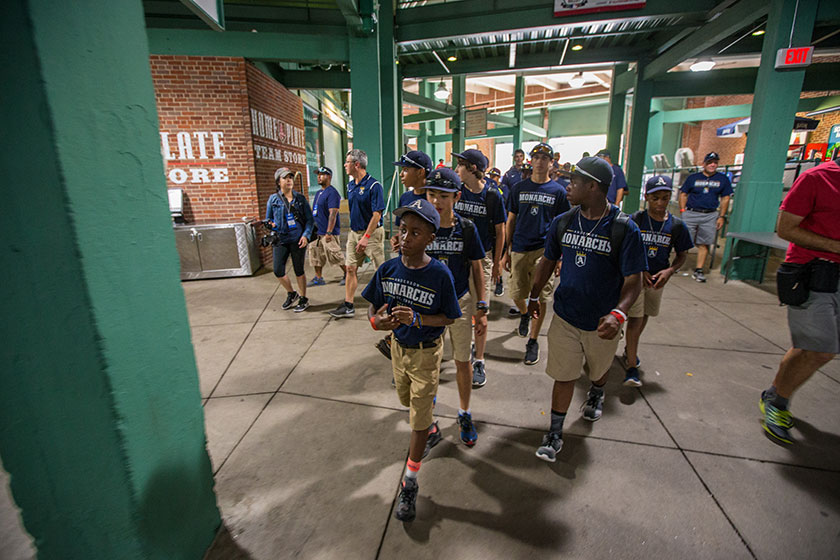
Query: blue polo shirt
x,y
590,283
452,248
429,291
364,199
407,198
704,192
511,177
619,182
486,215
534,206
659,239
323,200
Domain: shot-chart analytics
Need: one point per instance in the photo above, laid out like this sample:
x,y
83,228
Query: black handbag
x,y
792,283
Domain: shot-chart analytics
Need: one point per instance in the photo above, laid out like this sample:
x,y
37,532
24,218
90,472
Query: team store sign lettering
x,y
270,128
185,151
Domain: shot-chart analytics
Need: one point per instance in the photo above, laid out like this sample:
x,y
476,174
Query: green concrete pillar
x,y
656,124
424,127
389,85
615,115
101,425
637,143
366,102
459,100
759,191
519,111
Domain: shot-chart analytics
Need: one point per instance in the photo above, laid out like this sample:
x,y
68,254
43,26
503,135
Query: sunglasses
x,y
406,159
580,171
442,182
542,149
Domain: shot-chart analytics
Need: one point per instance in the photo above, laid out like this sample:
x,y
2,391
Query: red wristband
x,y
373,323
367,236
618,316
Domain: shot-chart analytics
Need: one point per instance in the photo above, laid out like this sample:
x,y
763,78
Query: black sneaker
x,y
524,324
593,407
433,439
698,275
343,311
384,347
303,305
513,312
479,375
552,443
532,352
290,300
406,511
500,288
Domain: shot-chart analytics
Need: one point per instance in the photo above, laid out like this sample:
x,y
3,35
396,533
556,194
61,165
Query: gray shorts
x,y
815,325
701,227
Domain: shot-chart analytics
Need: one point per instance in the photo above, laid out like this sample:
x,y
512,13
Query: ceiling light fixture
x,y
759,32
577,80
702,65
577,48
441,92
452,58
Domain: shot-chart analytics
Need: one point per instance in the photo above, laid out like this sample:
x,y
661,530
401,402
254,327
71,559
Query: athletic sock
x,y
462,411
780,402
348,305
477,361
412,468
557,419
596,389
292,293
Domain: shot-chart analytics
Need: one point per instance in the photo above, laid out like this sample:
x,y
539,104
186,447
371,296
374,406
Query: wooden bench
x,y
766,240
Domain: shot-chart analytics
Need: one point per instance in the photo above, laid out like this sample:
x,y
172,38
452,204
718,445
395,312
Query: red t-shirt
x,y
816,197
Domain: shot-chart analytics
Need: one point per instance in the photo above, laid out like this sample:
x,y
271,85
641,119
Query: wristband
x,y
533,299
419,320
373,323
413,319
482,302
682,210
619,314
367,236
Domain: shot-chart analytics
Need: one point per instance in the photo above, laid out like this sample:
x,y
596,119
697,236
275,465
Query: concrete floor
x,y
308,440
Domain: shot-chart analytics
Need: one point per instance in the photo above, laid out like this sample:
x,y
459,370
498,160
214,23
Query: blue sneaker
x,y
316,282
468,433
479,375
631,378
624,360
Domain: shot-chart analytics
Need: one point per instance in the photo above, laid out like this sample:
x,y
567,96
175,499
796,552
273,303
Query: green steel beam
x,y
366,107
389,88
615,112
413,133
534,130
428,104
730,21
518,110
505,132
818,103
315,79
624,79
257,46
351,14
424,117
818,77
501,119
637,143
458,124
707,113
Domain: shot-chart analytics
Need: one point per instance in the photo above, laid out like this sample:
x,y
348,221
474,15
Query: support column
x,y
101,425
391,108
759,191
459,99
615,117
656,125
519,111
637,143
366,100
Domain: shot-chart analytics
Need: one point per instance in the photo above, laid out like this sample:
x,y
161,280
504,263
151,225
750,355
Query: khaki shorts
x,y
416,376
522,268
460,332
375,250
647,303
489,287
323,252
570,349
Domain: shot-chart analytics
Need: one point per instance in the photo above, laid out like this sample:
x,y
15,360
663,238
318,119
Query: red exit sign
x,y
795,57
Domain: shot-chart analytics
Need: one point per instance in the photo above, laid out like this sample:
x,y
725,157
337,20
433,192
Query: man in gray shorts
x,y
704,199
808,219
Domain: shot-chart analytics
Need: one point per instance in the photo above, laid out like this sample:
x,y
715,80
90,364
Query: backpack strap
x,y
618,231
492,202
678,229
468,230
563,223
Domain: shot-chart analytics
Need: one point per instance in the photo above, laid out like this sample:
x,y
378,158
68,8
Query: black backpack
x,y
493,200
678,227
468,229
618,230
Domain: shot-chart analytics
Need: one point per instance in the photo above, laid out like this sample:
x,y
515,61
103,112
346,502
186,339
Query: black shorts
x,y
281,255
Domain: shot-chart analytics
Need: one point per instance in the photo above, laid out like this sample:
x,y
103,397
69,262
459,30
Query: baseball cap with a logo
x,y
542,148
658,183
424,209
494,172
594,168
416,158
324,171
474,157
711,156
443,179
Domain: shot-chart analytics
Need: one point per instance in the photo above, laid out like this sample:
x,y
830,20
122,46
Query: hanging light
x,y
577,48
758,33
577,80
702,65
452,58
441,92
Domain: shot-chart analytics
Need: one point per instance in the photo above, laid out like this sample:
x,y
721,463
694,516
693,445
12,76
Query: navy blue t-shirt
x,y
429,291
619,182
535,206
511,177
364,199
704,192
287,217
658,239
590,283
485,215
407,198
323,200
451,248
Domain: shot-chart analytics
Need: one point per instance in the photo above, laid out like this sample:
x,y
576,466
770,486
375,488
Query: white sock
x,y
477,361
410,474
462,411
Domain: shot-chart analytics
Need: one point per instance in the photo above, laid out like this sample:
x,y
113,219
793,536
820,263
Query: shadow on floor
x,y
225,547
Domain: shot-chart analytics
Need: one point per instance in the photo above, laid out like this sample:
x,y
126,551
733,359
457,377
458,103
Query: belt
x,y
364,230
419,346
702,210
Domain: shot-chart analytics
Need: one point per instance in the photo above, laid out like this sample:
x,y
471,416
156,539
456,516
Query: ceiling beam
x,y
425,116
730,21
501,119
315,79
543,81
818,77
474,87
428,104
531,128
624,81
351,14
498,85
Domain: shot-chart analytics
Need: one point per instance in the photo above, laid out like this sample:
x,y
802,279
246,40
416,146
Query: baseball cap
x,y
494,172
416,158
594,168
527,166
658,183
604,153
443,179
324,170
710,156
423,208
474,157
282,173
542,148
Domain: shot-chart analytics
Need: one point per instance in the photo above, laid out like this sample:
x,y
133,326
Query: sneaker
x,y
468,433
552,443
766,398
342,311
316,282
433,439
698,275
303,305
500,289
524,323
532,352
777,423
290,300
479,375
631,378
624,360
384,347
513,312
406,511
594,405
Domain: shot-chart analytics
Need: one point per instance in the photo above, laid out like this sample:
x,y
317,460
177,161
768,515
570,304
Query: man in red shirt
x,y
810,220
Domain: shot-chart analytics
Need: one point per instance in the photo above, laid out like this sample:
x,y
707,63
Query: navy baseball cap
x,y
474,157
443,179
542,148
594,168
604,153
658,183
424,209
324,170
416,158
711,156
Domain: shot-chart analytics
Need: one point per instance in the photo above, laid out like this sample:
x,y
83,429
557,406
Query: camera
x,y
270,240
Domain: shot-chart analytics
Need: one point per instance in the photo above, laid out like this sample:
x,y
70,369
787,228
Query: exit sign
x,y
792,58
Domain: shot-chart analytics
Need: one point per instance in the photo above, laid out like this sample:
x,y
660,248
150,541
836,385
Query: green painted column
x,y
759,191
424,127
656,124
101,425
615,115
366,101
389,85
459,100
637,143
519,111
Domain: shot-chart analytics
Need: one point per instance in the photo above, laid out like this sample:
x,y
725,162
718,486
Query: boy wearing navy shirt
x,y
458,245
618,186
603,258
704,200
533,205
324,248
413,295
485,207
661,233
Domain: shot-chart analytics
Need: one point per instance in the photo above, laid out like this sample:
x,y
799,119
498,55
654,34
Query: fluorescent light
x,y
512,59
577,80
702,65
441,92
759,32
577,48
452,58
